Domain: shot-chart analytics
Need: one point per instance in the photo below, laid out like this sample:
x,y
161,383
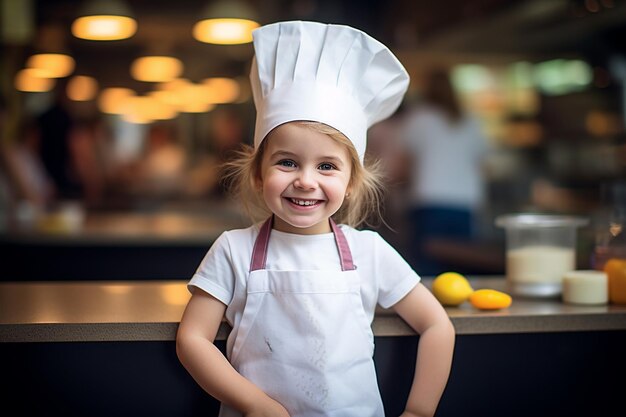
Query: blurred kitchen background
x,y
109,166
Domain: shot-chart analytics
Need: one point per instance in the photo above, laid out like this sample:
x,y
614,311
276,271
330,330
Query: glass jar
x,y
540,249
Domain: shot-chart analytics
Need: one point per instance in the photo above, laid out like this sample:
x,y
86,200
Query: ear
x,y
258,181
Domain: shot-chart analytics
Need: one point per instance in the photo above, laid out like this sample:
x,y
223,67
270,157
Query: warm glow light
x,y
175,294
196,107
224,31
140,109
82,88
175,85
33,80
156,68
172,92
164,110
221,90
104,28
54,65
112,100
603,124
147,109
185,95
118,289
193,99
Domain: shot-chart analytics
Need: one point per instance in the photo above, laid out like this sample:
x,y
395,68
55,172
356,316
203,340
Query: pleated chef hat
x,y
333,74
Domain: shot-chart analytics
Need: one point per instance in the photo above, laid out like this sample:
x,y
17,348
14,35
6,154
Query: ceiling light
x,y
82,88
33,80
52,65
163,110
227,23
104,20
112,100
140,109
156,68
194,99
221,90
172,92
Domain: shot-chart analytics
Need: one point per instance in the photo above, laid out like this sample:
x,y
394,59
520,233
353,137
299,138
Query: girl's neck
x,y
316,229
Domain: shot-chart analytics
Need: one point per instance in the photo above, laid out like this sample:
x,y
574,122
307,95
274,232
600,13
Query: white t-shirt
x,y
385,276
448,168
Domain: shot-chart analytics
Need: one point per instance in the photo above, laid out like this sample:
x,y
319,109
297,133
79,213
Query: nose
x,y
306,179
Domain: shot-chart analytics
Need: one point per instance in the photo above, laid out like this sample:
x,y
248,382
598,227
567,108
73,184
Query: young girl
x,y
300,288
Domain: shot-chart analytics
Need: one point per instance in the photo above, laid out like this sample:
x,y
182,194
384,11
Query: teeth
x,y
303,202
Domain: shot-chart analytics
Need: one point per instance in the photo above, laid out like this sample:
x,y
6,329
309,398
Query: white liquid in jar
x,y
539,264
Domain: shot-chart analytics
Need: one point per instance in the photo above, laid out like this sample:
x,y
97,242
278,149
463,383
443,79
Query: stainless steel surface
x,y
139,311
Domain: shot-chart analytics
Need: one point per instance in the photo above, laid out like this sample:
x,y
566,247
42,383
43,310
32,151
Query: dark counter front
x,y
115,246
107,348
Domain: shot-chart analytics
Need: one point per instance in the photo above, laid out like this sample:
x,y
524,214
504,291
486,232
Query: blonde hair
x,y
242,178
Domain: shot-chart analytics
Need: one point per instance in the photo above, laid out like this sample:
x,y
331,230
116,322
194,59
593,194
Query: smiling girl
x,y
301,287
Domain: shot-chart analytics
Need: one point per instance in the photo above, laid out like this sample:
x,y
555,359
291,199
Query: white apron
x,y
305,340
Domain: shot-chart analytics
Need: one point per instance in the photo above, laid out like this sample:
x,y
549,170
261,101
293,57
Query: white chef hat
x,y
333,74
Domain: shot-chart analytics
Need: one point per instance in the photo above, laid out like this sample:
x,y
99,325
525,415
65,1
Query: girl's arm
x,y
210,368
421,310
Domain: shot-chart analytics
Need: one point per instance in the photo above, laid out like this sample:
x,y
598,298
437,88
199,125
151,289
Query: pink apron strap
x,y
259,252
345,255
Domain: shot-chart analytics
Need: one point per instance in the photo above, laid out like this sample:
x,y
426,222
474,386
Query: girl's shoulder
x,y
360,235
238,238
368,241
243,232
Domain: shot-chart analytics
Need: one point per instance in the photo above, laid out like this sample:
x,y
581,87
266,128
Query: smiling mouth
x,y
303,203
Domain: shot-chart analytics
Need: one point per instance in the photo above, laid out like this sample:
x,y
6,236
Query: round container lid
x,y
525,220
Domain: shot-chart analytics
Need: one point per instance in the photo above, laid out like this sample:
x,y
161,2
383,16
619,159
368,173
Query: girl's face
x,y
305,176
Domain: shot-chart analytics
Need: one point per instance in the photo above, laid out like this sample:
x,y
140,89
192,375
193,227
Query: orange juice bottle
x,y
615,269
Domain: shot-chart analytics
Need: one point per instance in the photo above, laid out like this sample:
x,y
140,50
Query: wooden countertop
x,y
151,311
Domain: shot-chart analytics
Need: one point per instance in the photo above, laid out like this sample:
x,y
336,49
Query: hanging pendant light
x,y
156,68
33,80
227,23
221,90
104,20
52,65
82,88
112,100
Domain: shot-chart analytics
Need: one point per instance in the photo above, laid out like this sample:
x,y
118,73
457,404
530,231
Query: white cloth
x,y
447,170
385,276
304,338
333,74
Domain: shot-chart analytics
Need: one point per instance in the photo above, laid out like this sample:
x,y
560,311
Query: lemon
x,y
451,288
487,299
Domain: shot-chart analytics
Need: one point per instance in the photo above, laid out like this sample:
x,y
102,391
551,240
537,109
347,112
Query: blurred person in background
x,y
89,160
5,187
446,178
25,187
53,128
25,171
161,170
225,136
386,145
